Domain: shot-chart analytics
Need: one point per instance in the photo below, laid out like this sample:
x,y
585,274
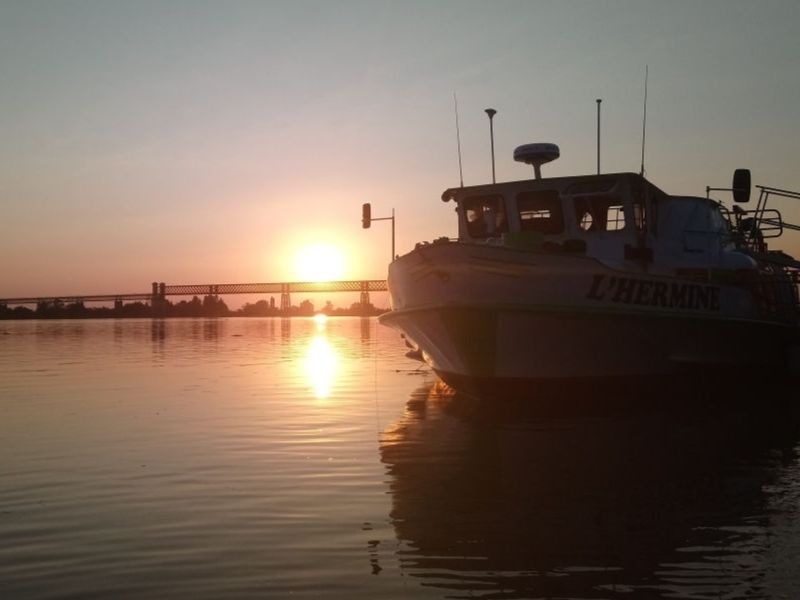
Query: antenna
x,y
458,141
492,112
599,100
536,155
644,119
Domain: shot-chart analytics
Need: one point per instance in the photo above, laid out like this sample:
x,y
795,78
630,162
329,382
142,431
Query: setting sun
x,y
319,262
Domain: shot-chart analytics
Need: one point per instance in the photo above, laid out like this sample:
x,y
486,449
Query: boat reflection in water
x,y
488,501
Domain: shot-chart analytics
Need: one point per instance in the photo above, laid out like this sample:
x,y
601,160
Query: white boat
x,y
598,278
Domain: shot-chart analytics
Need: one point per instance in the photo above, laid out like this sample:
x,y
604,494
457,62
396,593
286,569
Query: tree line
x,y
208,306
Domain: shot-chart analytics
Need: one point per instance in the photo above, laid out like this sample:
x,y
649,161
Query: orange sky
x,y
188,142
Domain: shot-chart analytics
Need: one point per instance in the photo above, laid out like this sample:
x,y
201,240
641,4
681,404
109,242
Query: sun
x,y
319,262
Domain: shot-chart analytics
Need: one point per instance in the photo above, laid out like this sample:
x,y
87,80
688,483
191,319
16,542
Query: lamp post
x,y
367,219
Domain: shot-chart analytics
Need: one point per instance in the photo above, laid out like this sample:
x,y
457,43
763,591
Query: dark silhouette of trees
x,y
214,306
209,306
262,308
133,310
18,312
306,308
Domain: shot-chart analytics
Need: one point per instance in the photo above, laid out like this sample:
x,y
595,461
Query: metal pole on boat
x,y
492,112
599,100
393,254
458,141
644,118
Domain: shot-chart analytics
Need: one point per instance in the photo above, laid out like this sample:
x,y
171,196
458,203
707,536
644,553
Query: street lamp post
x,y
367,219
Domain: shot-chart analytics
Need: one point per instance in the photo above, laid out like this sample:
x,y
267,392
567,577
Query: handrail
x,y
753,226
779,192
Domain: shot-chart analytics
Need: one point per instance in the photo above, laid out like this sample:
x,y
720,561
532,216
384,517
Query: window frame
x,y
554,224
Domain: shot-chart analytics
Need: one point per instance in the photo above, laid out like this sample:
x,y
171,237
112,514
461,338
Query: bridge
x,y
160,291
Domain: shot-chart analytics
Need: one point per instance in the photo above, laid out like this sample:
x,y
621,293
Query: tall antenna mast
x,y
599,100
644,120
458,141
492,112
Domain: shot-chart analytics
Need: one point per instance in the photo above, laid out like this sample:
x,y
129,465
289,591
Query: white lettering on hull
x,y
644,292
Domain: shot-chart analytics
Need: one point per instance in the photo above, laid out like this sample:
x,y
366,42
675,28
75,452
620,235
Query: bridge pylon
x,y
158,298
365,303
286,300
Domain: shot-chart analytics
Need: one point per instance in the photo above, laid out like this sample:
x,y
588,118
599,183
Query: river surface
x,y
270,458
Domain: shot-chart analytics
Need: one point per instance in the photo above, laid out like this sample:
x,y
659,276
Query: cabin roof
x,y
457,193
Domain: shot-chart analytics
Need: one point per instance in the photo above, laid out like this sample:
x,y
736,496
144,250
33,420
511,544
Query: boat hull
x,y
504,351
531,322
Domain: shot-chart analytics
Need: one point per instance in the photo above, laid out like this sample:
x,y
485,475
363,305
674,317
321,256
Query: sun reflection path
x,y
321,365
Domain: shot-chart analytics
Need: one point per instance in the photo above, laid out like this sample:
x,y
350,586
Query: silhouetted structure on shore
x,y
155,304
208,306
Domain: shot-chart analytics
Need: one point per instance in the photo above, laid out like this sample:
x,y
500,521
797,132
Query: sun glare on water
x,y
321,366
319,262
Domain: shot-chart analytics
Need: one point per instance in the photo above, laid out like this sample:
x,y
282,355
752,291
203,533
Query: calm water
x,y
272,458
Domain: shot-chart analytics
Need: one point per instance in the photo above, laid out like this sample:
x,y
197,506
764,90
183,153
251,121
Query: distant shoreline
x,y
231,315
208,307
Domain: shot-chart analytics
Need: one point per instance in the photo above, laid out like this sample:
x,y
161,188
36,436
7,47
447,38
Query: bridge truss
x,y
160,291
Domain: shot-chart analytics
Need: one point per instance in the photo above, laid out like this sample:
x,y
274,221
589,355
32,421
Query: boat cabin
x,y
615,217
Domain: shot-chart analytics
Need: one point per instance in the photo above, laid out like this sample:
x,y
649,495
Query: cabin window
x,y
486,216
599,213
540,211
615,218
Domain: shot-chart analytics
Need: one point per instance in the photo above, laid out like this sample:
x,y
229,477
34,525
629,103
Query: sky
x,y
211,142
